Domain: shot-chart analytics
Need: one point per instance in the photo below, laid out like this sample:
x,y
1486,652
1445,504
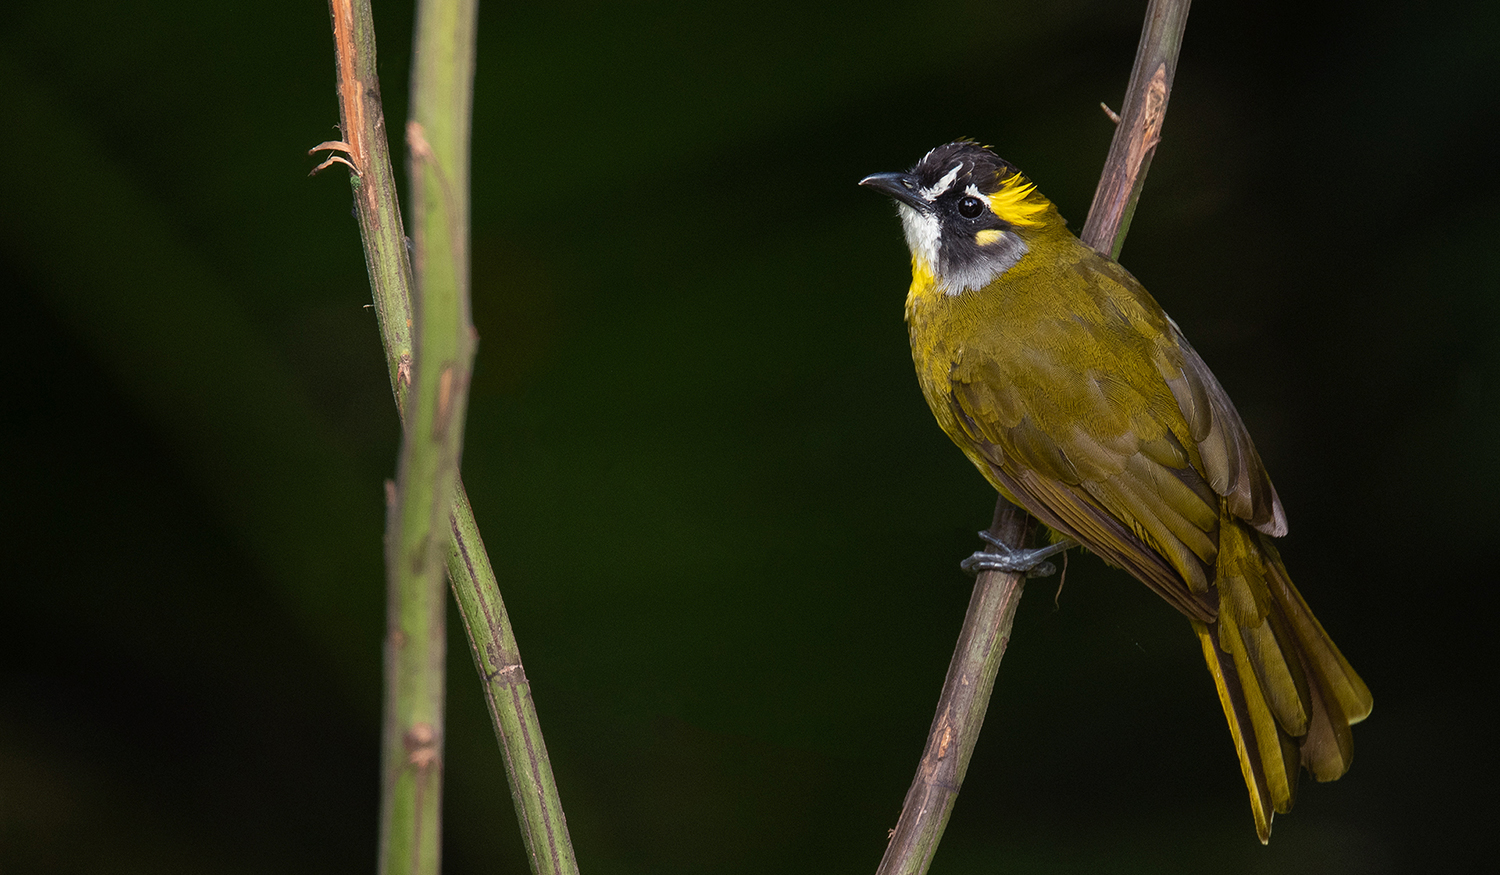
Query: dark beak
x,y
901,186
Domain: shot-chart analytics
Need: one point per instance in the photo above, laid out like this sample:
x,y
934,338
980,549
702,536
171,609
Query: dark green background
x,y
724,522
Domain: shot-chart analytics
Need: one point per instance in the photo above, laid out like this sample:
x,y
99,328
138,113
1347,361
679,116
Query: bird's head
x,y
967,214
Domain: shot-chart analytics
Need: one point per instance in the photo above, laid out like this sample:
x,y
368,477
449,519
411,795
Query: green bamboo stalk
x,y
377,208
442,356
491,640
508,694
992,608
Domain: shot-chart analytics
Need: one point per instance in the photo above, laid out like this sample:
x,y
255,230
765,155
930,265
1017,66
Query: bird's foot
x,y
1002,557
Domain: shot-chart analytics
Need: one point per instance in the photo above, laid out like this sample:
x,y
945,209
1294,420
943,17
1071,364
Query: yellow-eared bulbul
x,y
1063,381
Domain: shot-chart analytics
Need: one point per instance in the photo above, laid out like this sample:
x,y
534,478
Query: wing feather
x,y
1080,425
1230,460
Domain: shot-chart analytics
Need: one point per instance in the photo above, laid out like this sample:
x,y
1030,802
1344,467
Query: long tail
x,y
1288,693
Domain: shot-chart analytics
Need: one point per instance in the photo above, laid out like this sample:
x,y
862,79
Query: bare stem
x,y
960,710
508,694
492,642
1139,130
418,529
992,608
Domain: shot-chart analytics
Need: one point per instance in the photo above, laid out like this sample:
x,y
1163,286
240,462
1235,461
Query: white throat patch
x,y
923,236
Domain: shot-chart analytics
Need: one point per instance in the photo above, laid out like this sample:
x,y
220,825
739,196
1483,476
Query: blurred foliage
x,y
725,525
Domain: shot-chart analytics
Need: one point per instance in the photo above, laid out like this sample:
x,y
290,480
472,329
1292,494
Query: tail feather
x,y
1281,679
1340,698
1288,694
1242,729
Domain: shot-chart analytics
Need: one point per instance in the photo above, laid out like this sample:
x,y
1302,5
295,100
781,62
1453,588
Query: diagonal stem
x,y
1139,129
992,608
961,707
491,639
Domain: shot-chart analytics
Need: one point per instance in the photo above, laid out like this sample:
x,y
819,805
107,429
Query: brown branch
x,y
960,710
992,608
1139,129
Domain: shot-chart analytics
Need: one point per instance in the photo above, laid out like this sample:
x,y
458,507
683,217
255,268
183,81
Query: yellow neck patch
x,y
922,275
1019,203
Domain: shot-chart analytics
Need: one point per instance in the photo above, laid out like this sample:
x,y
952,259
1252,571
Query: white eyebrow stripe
x,y
932,194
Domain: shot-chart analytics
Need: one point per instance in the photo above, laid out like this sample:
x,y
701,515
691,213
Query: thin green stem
x,y
491,640
508,695
441,362
377,207
992,608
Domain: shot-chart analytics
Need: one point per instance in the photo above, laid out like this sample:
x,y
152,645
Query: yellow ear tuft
x,y
1019,203
988,236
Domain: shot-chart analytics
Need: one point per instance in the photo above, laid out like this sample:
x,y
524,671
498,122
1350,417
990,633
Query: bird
x,y
1080,400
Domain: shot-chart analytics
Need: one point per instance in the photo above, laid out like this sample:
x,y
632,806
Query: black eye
x,y
970,207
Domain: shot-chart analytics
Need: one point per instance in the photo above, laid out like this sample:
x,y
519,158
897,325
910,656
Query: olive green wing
x,y
1104,422
1089,454
1152,347
1230,461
